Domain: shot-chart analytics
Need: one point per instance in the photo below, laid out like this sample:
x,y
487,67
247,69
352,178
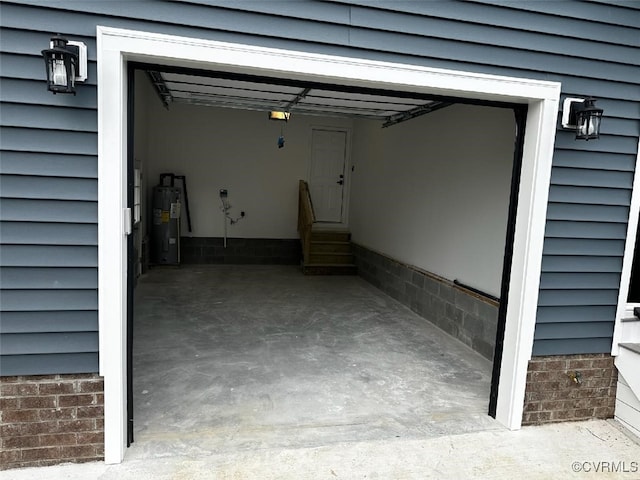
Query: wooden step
x,y
330,258
330,247
329,269
330,236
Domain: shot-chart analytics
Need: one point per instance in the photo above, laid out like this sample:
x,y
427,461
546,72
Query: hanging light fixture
x,y
279,115
66,63
583,116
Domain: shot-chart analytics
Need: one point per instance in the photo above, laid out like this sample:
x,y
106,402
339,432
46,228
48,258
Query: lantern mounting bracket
x,y
569,110
80,49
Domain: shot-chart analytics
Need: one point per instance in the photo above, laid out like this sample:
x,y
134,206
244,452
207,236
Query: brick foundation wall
x,y
240,251
552,394
467,316
50,419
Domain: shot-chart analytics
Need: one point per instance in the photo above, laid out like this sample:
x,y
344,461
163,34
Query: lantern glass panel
x,y
58,72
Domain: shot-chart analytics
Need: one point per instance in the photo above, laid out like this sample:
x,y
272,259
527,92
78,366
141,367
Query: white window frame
x,y
117,46
625,309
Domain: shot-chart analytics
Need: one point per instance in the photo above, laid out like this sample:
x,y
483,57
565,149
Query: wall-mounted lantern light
x,y
66,64
277,115
583,116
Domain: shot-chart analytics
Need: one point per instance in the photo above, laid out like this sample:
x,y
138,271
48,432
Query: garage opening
x,y
232,345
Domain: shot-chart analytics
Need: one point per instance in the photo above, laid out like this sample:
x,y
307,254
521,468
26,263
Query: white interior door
x,y
326,180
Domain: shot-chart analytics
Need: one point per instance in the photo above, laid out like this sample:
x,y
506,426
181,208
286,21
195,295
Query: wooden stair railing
x,y
306,218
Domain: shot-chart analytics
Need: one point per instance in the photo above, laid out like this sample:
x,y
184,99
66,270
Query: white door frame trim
x,y
625,309
116,46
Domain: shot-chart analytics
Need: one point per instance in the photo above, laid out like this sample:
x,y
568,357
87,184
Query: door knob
x,y
340,182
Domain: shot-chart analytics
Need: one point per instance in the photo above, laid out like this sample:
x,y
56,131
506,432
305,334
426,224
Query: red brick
x,y
42,453
80,376
574,364
76,400
58,413
91,386
531,406
552,405
583,412
9,456
91,412
38,402
9,403
538,417
100,424
540,377
17,416
554,365
23,429
604,363
11,379
77,451
76,425
561,415
595,382
57,388
18,389
100,450
603,412
21,442
85,438
100,398
58,439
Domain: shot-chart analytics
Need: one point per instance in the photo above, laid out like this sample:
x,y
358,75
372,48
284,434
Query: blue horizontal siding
x,y
574,281
48,164
48,256
558,298
568,346
603,161
587,213
22,186
576,313
35,210
495,15
591,178
46,343
584,246
48,364
589,195
36,233
34,92
49,321
545,331
581,263
59,141
48,278
48,117
571,229
39,299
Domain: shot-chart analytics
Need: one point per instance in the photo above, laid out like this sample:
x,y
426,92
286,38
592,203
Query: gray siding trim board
x,y
48,153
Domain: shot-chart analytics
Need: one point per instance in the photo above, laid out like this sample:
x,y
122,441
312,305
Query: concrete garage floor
x,y
231,358
259,373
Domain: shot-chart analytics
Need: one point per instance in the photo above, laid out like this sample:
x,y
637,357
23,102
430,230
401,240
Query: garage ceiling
x,y
265,94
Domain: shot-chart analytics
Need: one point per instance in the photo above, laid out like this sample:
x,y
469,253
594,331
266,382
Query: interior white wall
x,y
237,150
434,191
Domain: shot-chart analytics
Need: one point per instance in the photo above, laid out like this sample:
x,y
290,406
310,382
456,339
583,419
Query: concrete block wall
x,y
469,317
51,419
240,251
570,387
